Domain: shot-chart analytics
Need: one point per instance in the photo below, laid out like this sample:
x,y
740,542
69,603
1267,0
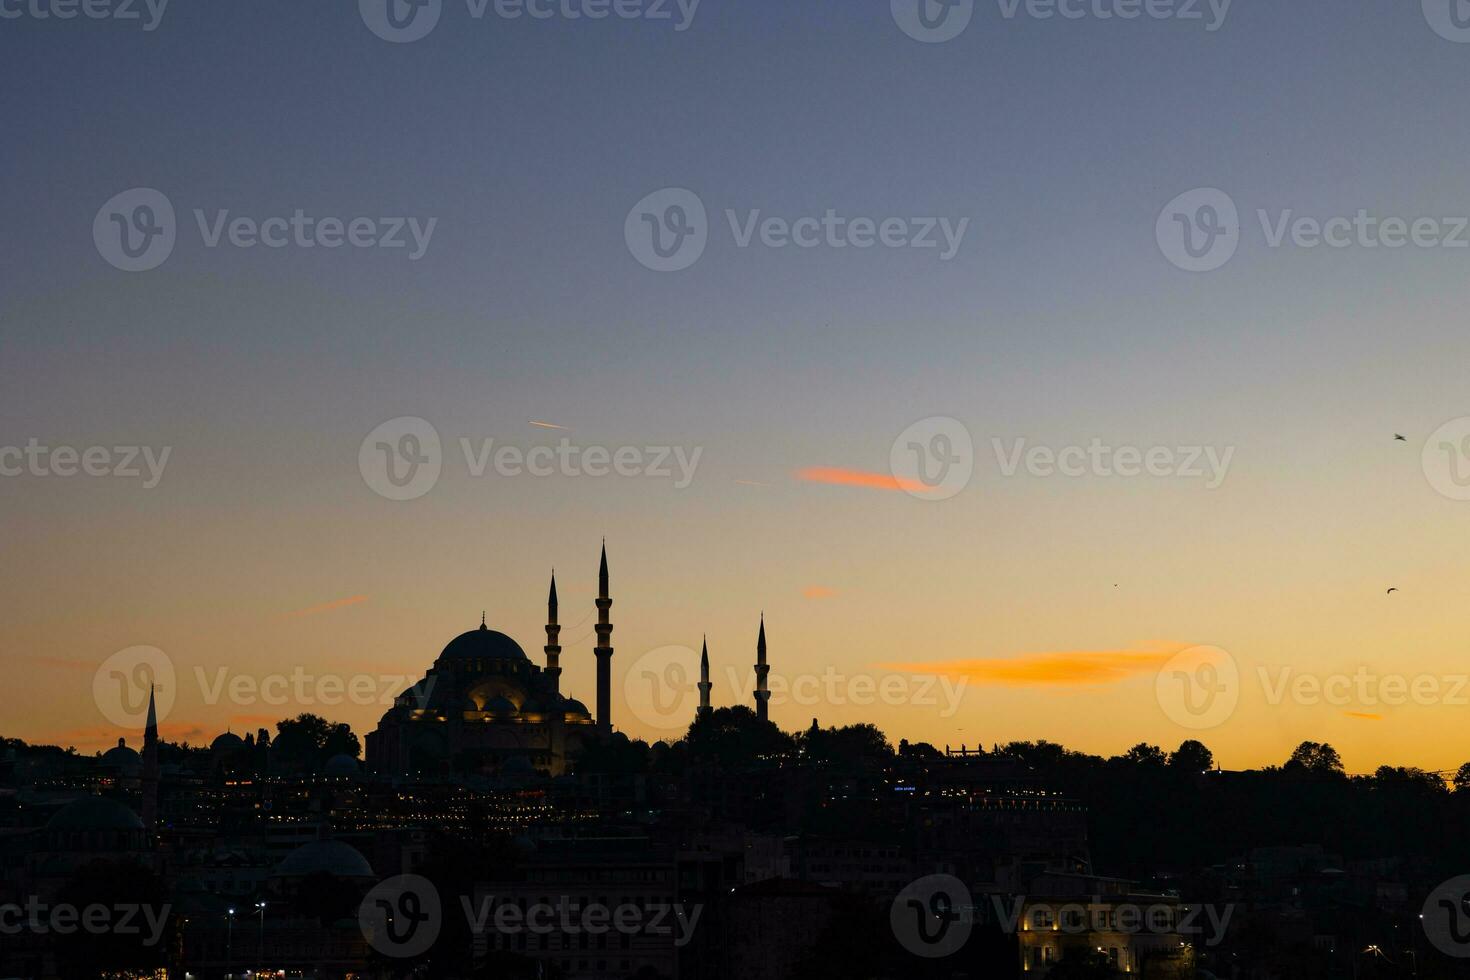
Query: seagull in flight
x,y
1390,592
1399,438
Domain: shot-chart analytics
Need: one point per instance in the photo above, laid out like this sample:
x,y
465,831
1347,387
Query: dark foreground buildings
x,y
500,828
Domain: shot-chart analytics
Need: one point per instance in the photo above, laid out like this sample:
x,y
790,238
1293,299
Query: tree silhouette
x,y
1315,758
1192,756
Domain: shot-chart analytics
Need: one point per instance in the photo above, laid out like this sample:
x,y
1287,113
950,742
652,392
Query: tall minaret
x,y
150,764
553,632
704,684
762,694
604,650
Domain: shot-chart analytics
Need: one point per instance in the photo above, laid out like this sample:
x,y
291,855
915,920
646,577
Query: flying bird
x,y
1399,438
1390,592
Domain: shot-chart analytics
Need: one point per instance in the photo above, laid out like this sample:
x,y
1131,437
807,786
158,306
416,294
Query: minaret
x,y
762,694
150,764
704,684
604,650
553,632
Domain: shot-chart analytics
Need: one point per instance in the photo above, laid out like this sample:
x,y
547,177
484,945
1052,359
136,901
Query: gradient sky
x,y
1058,321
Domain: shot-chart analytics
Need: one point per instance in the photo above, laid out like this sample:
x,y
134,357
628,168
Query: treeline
x,y
1150,810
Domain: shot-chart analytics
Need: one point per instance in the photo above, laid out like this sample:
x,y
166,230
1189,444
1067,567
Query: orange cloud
x,y
1364,715
106,736
254,721
857,478
1062,668
326,607
818,592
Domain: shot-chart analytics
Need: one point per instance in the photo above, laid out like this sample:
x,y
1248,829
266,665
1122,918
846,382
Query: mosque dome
x,y
228,742
341,764
94,813
574,707
482,644
331,857
122,759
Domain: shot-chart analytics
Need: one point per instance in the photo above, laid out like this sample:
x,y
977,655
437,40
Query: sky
x,y
1025,296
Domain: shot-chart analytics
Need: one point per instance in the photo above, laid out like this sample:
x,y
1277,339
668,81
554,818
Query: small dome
x,y
483,644
122,758
502,705
331,857
341,764
574,707
94,813
228,742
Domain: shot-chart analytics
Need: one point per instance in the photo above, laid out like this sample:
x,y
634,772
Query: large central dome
x,y
483,644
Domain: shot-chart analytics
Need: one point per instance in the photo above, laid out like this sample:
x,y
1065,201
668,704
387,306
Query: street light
x,y
229,942
260,950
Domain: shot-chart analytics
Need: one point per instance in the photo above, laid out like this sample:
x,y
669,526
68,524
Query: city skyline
x,y
1016,277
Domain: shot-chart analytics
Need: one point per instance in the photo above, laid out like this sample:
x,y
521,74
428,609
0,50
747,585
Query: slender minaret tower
x,y
762,694
704,684
555,712
553,632
604,650
150,764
